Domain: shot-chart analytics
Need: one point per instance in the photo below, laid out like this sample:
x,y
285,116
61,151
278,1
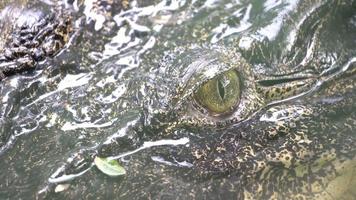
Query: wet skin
x,y
287,134
290,134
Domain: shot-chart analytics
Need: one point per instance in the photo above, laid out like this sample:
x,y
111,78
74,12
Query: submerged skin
x,y
291,136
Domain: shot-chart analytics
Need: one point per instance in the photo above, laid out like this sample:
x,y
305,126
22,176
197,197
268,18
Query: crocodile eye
x,y
221,94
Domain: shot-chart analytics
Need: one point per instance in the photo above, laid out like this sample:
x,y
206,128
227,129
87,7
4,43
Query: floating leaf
x,y
109,167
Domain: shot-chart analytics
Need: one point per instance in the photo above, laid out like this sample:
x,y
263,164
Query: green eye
x,y
221,94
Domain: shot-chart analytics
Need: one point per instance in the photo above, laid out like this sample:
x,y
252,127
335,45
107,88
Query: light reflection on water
x,y
93,92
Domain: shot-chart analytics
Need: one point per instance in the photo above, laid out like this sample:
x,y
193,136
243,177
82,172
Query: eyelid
x,y
196,73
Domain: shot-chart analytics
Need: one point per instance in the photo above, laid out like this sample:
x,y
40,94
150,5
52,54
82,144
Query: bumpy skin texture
x,y
279,152
291,136
30,38
42,37
31,44
284,140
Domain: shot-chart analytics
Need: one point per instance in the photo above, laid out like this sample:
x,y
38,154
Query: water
x,y
110,83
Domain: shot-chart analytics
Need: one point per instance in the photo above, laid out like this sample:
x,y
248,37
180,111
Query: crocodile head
x,y
268,118
249,117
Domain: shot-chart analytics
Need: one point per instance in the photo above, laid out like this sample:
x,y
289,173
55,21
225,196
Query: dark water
x,y
96,89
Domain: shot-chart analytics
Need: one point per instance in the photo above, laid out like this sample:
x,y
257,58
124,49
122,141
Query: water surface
x,y
108,79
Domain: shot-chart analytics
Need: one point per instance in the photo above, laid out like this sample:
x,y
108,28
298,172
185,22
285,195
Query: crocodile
x,y
253,118
261,124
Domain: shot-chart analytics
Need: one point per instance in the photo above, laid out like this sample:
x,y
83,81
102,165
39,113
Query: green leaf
x,y
109,167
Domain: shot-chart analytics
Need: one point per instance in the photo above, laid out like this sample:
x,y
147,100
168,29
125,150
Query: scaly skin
x,y
291,136
30,36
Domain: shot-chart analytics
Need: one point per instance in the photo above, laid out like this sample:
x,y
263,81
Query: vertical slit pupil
x,y
221,89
